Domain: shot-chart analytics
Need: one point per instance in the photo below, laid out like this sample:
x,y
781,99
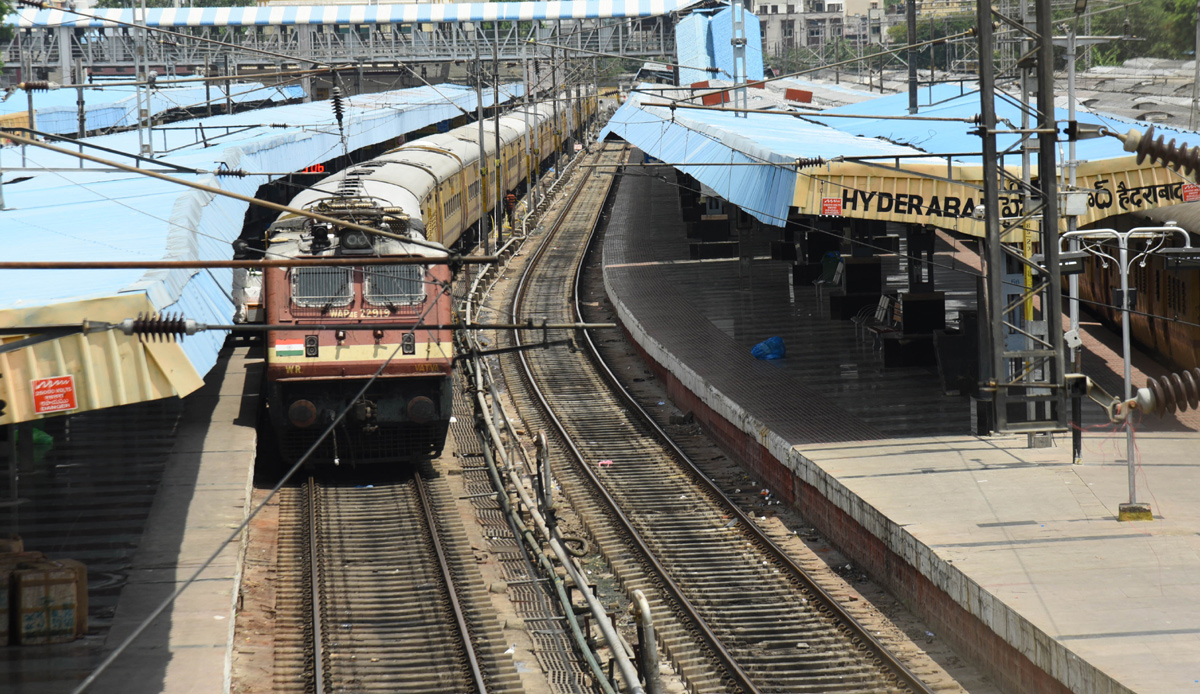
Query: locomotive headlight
x,y
302,414
355,241
421,410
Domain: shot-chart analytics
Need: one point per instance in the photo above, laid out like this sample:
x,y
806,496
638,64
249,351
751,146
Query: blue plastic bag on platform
x,y
770,348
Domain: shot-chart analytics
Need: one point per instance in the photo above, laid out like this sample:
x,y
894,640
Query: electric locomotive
x,y
428,191
312,375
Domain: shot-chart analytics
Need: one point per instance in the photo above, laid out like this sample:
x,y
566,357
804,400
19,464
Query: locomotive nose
x,y
302,414
421,410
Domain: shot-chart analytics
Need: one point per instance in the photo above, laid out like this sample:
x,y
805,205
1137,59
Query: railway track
x,y
371,598
736,614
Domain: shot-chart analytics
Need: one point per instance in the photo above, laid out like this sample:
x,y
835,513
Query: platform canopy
x,y
401,13
115,105
56,211
944,190
878,165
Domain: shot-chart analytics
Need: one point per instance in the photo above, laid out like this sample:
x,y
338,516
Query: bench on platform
x,y
875,319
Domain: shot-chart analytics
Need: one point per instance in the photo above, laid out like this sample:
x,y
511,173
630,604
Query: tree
x,y
6,9
926,30
1166,29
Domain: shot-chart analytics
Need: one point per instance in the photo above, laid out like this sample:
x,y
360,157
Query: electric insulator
x,y
35,85
339,108
805,162
1177,391
162,326
1180,157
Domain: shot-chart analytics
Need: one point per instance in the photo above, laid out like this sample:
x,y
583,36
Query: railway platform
x,y
1013,554
143,495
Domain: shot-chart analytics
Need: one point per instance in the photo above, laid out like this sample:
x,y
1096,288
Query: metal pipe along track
x,y
736,613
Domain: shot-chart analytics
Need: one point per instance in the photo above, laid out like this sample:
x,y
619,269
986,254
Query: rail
x,y
495,455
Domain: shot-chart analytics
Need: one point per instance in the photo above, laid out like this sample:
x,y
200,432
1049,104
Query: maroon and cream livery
x,y
314,374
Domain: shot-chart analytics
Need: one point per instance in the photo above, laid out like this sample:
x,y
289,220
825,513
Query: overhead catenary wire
x,y
180,35
237,196
934,263
145,623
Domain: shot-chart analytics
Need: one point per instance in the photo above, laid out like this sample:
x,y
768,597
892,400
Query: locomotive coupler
x,y
363,411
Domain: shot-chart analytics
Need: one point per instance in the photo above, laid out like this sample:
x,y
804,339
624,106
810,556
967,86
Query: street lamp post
x,y
1155,238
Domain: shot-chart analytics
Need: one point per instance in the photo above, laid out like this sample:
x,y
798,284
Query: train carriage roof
x,y
440,164
508,132
466,153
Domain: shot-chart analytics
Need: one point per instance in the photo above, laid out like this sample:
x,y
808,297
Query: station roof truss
x,y
377,36
408,13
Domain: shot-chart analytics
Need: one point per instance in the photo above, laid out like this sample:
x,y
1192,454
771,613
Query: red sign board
x,y
831,206
1191,192
55,394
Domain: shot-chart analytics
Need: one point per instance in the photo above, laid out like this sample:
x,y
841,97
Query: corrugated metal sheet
x,y
1114,182
891,187
358,14
693,136
116,105
692,50
950,101
117,216
721,29
703,39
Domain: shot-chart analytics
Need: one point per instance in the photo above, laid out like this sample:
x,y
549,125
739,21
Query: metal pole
x,y
79,104
529,163
483,191
1073,245
912,56
992,366
1048,187
145,139
496,123
208,85
1196,75
1123,240
229,86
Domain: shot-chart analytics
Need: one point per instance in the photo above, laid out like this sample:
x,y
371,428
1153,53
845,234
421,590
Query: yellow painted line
x,y
657,263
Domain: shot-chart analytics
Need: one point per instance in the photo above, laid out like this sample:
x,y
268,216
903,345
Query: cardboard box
x,y
46,603
9,562
81,594
11,544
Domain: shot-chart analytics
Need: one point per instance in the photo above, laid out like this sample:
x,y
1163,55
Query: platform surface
x,y
1036,532
142,530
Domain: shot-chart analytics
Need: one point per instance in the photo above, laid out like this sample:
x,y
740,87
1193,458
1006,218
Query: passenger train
x,y
427,190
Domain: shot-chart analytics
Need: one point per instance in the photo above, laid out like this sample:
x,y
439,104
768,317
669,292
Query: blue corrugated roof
x,y
408,13
721,28
84,215
940,137
116,105
696,136
692,50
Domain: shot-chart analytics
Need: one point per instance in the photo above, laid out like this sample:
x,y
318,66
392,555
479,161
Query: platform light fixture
x,y
1156,239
